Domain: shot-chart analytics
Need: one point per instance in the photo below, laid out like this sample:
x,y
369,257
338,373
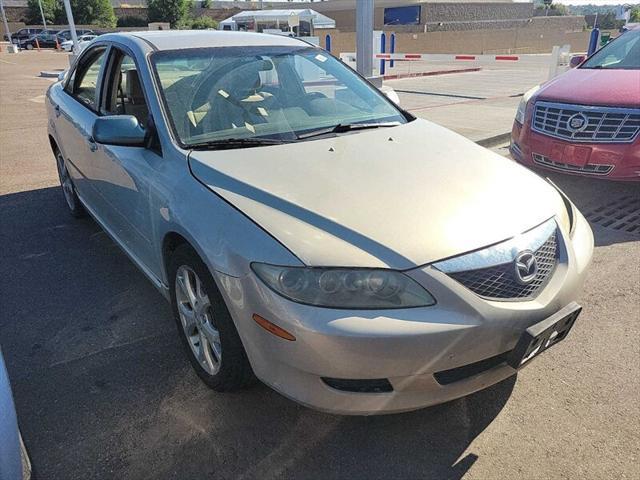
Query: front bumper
x,y
613,161
407,347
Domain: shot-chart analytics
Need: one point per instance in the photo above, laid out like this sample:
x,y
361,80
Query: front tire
x,y
68,189
205,326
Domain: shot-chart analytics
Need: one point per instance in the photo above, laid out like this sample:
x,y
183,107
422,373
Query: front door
x,y
74,117
127,173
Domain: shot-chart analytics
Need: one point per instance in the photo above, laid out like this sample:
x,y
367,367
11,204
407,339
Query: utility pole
x,y
44,21
72,26
6,25
364,37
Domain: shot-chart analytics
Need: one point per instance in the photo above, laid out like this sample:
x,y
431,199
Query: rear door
x,y
74,118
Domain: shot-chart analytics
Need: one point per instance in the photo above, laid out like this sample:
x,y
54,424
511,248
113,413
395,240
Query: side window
x,y
84,80
125,95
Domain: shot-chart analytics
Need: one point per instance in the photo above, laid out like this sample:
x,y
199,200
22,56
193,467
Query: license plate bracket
x,y
543,335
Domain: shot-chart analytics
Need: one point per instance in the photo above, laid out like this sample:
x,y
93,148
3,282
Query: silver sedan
x,y
307,230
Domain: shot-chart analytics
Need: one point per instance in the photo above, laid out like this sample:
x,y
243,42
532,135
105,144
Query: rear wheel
x,y
68,189
29,46
205,325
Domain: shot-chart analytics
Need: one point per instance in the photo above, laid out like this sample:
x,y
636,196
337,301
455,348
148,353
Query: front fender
x,y
223,237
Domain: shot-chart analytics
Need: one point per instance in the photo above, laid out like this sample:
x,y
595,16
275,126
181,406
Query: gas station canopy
x,y
259,20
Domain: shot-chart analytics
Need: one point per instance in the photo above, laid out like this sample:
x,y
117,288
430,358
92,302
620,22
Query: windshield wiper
x,y
345,127
229,143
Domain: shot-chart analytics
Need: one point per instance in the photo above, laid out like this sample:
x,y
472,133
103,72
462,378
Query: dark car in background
x,y
44,39
23,34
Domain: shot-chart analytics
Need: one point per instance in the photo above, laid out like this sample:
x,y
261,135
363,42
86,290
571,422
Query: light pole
x,y
44,21
72,26
364,37
6,25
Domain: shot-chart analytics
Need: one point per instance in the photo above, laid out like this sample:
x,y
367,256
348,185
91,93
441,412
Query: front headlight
x,y
522,107
349,288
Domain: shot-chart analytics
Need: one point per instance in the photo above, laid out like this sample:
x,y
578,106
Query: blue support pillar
x,y
327,43
383,47
392,48
593,41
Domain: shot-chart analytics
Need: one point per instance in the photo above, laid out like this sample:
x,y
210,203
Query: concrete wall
x,y
430,12
532,37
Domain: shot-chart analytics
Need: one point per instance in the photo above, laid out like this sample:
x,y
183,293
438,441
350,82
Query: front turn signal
x,y
273,328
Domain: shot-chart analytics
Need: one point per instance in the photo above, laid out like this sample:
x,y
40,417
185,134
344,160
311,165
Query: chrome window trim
x,y
588,109
501,253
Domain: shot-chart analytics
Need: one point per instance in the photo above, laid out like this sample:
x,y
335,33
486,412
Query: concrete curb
x,y
51,73
495,140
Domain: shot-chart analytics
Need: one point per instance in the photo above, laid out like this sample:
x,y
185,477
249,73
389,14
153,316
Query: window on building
x,y
409,15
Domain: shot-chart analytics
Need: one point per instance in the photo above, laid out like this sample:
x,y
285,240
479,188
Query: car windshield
x,y
272,93
623,53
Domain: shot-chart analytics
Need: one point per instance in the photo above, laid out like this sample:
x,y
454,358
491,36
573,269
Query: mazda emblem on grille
x,y
526,267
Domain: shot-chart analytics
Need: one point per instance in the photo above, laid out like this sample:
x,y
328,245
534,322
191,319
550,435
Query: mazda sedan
x,y
307,230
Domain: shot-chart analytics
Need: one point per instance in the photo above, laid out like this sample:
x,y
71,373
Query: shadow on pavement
x,y
104,390
612,208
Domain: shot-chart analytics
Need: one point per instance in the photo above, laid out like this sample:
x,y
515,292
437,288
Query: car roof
x,y
178,39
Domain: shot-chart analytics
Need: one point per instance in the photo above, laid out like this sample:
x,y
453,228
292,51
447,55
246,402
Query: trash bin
x,y
605,37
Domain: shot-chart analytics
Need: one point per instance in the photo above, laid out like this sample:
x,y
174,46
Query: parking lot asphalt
x,y
104,390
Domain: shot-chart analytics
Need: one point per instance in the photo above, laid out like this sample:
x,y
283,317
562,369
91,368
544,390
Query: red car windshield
x,y
621,54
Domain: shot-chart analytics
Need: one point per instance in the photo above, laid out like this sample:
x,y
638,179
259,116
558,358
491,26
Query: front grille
x,y
499,281
589,168
600,124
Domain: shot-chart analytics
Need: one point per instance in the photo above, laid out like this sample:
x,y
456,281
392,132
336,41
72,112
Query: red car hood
x,y
615,88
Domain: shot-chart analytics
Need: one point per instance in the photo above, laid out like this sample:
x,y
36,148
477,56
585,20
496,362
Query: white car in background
x,y
83,41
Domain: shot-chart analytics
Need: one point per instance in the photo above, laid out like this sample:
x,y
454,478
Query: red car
x,y
586,121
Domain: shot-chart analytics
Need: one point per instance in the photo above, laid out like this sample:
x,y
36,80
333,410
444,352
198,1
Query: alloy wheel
x,y
196,317
65,182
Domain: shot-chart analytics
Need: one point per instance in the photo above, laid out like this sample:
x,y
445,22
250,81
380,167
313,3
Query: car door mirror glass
x,y
576,60
122,130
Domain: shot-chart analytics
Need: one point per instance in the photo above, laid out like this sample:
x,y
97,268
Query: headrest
x,y
133,86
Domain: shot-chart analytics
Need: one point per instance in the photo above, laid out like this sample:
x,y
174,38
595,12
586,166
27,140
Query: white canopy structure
x,y
259,20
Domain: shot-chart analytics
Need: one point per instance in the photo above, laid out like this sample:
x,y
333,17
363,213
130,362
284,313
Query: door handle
x,y
57,109
93,146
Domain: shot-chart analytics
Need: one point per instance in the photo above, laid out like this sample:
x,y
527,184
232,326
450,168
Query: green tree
x,y
91,12
635,14
171,11
204,23
50,8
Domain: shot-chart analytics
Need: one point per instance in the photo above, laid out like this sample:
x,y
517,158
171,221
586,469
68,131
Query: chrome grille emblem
x,y
526,267
577,122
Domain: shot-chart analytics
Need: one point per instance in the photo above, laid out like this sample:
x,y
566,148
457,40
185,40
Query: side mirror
x,y
391,94
62,75
576,60
122,130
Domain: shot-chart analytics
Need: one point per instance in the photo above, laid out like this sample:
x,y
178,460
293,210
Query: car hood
x,y
615,88
395,197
